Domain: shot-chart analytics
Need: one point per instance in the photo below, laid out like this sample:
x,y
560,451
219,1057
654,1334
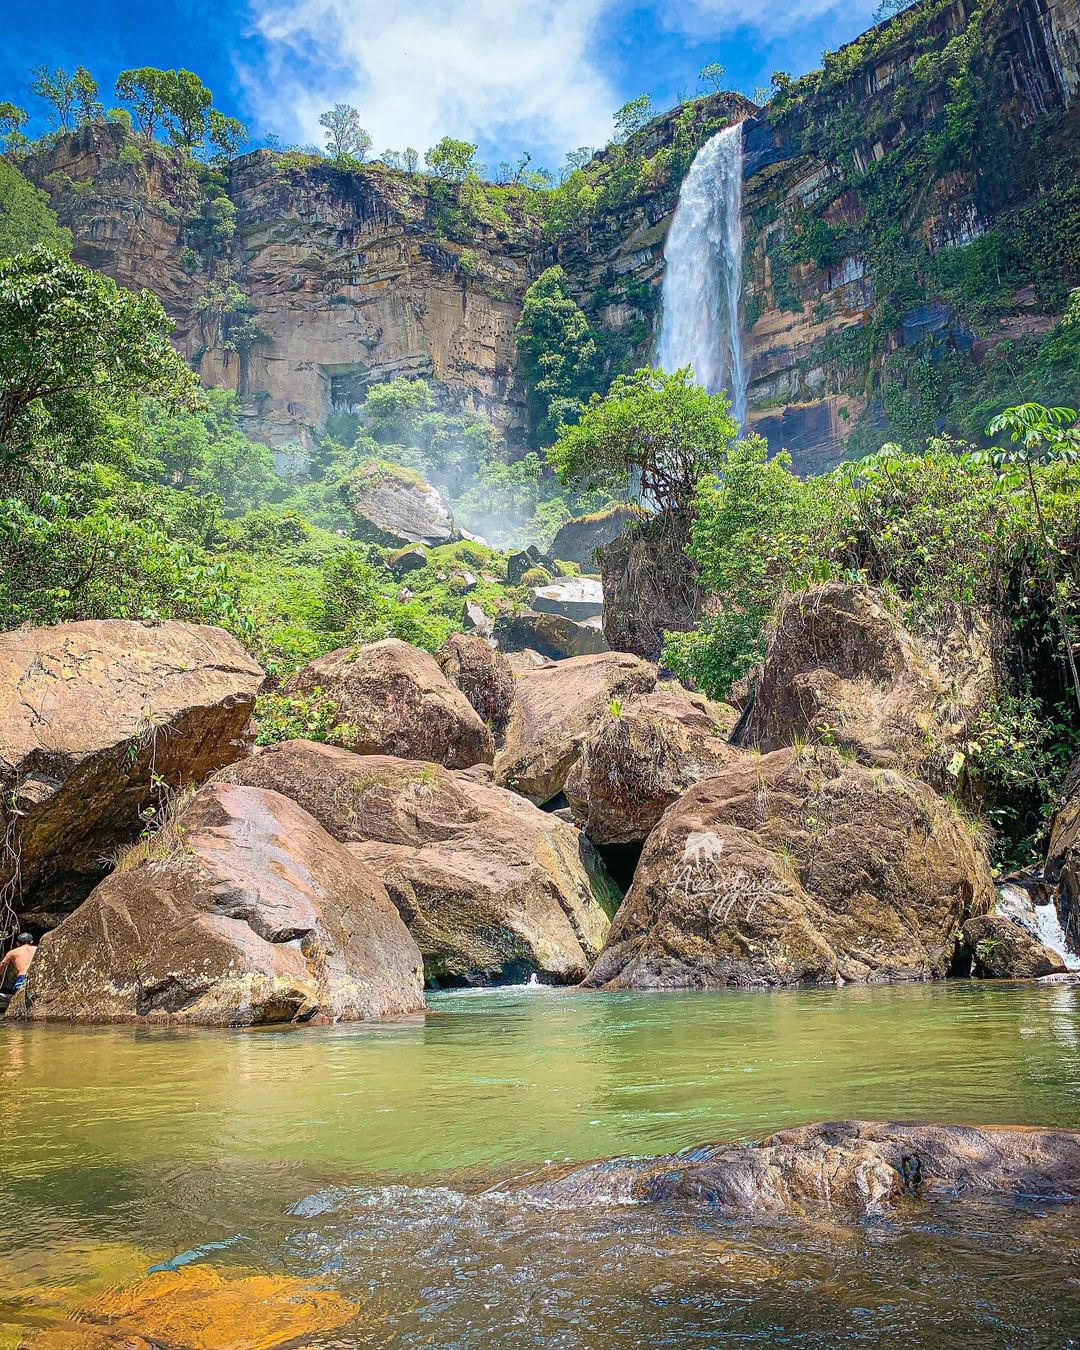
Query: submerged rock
x,y
554,707
392,699
97,720
1001,950
393,506
482,674
490,886
841,667
855,1166
639,757
241,910
554,635
797,867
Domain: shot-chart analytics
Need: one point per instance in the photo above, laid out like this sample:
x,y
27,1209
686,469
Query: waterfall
x,y
699,317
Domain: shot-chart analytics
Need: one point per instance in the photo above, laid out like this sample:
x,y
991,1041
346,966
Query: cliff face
x,y
913,142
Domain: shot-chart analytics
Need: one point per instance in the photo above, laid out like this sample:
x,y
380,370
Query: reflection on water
x,y
354,1157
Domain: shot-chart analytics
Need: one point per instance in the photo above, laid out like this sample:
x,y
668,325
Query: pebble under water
x,y
329,1187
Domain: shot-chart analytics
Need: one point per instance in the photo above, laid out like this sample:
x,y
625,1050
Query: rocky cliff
x,y
864,181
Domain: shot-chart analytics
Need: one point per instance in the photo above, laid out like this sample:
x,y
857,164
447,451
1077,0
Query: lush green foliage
x,y
558,353
26,218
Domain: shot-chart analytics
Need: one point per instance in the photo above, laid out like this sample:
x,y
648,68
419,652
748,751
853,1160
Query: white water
x,y
1040,921
699,319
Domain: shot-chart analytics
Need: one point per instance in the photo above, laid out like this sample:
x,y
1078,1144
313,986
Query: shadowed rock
x,y
553,635
242,910
797,867
1001,950
639,758
650,586
482,674
96,719
858,1167
1063,856
392,699
554,707
490,886
579,540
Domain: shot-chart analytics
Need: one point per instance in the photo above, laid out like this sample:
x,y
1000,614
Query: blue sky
x,y
509,74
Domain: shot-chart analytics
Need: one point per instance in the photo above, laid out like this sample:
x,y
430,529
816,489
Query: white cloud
x,y
497,72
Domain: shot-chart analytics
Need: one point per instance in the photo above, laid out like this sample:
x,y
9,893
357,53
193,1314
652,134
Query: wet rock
x,y
797,867
97,720
841,667
650,587
554,707
553,635
639,757
579,540
1001,950
490,886
393,506
857,1167
517,564
575,597
482,674
242,910
392,699
1063,857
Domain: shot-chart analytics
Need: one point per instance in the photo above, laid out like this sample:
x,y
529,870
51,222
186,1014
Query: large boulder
x,y
1002,950
856,1167
392,699
482,674
553,635
554,707
579,540
797,867
1063,857
98,722
392,506
241,910
650,586
641,756
575,597
841,667
491,887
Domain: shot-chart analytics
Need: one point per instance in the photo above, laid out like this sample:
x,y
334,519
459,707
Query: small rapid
x,y
699,323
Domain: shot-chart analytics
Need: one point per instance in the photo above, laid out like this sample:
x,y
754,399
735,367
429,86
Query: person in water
x,y
19,959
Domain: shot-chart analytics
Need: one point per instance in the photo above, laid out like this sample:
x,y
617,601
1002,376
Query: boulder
x,y
99,720
639,757
517,564
554,707
579,540
475,620
797,867
392,699
841,667
1063,857
552,635
491,887
1001,950
240,911
392,506
575,597
650,587
857,1167
482,674
407,560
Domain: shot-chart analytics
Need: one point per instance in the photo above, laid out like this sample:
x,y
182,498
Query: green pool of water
x,y
120,1149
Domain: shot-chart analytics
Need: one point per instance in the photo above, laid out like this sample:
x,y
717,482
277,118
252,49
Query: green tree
x,y
12,121
59,91
451,160
558,353
712,76
88,107
632,116
345,137
148,90
227,134
660,434
188,104
410,159
78,352
26,218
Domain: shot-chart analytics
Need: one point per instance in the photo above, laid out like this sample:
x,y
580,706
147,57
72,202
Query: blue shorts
x,y
20,980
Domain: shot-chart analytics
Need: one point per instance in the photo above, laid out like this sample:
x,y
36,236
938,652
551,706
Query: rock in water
x,y
553,635
394,506
579,540
854,1166
639,758
1001,950
241,911
392,699
841,666
491,887
481,673
97,719
554,706
797,867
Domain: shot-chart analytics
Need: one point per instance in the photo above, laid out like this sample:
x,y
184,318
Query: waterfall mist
x,y
699,318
